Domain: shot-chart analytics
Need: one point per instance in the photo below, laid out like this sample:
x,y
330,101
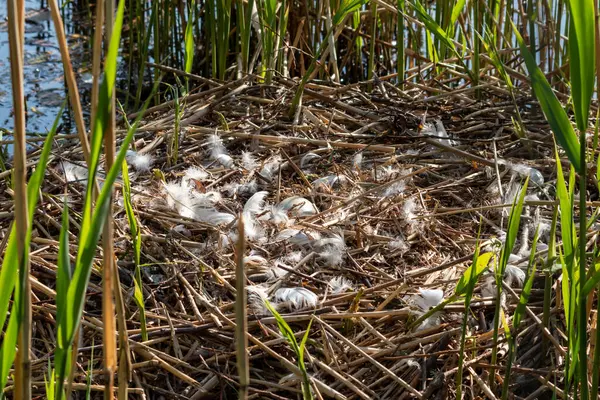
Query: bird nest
x,y
360,216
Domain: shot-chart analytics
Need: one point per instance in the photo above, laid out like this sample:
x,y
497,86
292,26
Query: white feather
x,y
441,133
276,272
269,170
331,255
249,161
298,206
328,181
331,250
307,158
294,257
256,22
394,189
212,216
424,301
240,189
205,199
398,244
428,298
229,239
296,298
255,260
335,241
277,216
339,284
256,203
139,161
176,194
215,145
488,289
297,236
181,229
514,276
357,160
225,160
194,173
382,173
257,295
193,205
74,173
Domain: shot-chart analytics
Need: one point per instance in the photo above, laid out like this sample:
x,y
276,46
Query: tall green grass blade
x,y
518,315
471,281
91,225
592,281
345,8
189,38
514,220
306,393
473,272
553,110
457,9
63,275
9,341
63,280
287,332
189,41
596,359
440,34
566,212
50,382
400,56
582,51
526,292
9,271
134,230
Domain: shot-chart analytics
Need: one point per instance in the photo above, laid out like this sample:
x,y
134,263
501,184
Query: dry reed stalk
x,y
70,78
16,24
96,57
241,316
108,265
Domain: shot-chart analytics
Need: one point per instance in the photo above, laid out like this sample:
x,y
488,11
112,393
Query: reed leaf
x,y
553,110
514,220
526,292
8,273
470,286
582,50
134,230
480,264
189,38
287,333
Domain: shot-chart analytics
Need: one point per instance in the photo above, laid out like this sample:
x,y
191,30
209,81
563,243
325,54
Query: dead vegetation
x,y
359,216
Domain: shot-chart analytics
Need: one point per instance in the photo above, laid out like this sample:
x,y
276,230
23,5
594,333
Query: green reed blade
x,y
582,51
9,271
553,110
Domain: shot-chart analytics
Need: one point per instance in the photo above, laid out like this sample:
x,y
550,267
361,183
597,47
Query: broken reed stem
x,y
96,58
109,273
241,315
296,140
70,78
23,362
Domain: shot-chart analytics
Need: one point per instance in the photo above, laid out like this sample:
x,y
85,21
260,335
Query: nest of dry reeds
x,y
360,216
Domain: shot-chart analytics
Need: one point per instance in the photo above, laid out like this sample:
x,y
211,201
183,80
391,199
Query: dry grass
x,y
408,214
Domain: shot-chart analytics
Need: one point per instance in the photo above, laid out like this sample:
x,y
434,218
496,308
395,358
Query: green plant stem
x,y
582,323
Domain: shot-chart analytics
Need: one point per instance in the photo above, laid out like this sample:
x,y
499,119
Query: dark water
x,y
44,83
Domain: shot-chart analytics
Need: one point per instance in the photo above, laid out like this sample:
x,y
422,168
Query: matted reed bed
x,y
359,216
